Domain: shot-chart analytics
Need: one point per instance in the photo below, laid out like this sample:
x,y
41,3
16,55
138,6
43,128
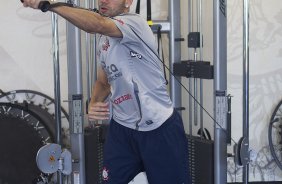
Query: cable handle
x,y
43,5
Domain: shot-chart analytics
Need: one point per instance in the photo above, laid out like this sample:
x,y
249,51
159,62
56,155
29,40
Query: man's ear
x,y
128,3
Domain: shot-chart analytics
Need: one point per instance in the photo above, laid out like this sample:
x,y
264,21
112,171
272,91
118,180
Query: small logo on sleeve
x,y
120,21
106,45
149,122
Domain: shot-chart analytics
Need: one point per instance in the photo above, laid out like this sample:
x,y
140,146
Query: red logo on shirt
x,y
106,45
120,21
123,98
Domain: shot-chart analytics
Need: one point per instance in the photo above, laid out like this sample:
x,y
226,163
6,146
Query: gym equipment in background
x,y
201,162
94,148
40,104
22,133
27,123
275,134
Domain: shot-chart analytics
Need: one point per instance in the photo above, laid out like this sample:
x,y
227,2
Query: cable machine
x,y
195,69
75,97
220,88
65,162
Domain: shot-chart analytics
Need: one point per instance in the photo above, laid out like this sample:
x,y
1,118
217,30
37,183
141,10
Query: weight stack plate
x,y
94,148
201,160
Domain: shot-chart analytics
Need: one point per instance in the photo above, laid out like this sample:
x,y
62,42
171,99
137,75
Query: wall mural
x,y
265,84
262,165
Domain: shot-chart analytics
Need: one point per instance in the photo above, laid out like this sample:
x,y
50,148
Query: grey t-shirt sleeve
x,y
133,27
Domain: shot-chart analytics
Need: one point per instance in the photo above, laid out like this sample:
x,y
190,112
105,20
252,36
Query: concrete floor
x,y
140,179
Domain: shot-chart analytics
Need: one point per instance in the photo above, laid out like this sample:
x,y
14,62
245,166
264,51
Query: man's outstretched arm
x,y
86,20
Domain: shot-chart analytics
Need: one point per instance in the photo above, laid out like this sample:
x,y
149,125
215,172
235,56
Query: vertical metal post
x,y
220,87
87,57
175,50
76,101
200,30
94,65
94,50
195,79
246,84
199,26
190,28
90,45
57,90
195,93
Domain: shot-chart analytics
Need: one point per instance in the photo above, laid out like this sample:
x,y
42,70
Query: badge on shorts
x,y
105,174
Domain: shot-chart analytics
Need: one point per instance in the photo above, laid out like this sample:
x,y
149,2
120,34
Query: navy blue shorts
x,y
162,153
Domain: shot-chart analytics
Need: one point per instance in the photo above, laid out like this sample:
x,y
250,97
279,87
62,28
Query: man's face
x,y
111,8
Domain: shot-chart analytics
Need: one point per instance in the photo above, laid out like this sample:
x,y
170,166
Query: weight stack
x,y
94,147
201,160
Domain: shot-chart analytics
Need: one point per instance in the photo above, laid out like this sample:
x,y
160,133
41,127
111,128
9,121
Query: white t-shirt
x,y
139,95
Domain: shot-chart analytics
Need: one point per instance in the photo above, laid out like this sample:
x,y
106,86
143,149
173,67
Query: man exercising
x,y
145,133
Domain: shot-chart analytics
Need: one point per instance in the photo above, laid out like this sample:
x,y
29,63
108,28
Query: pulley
x,y
32,111
242,153
51,159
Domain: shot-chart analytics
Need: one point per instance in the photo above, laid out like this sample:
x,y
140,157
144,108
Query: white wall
x,y
26,50
26,63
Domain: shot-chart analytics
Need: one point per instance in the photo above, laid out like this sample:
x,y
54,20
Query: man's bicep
x,y
111,29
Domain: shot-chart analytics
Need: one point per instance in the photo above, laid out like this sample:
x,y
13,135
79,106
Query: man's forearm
x,y
100,92
86,20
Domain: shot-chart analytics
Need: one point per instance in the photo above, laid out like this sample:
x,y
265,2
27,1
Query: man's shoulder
x,y
133,19
128,16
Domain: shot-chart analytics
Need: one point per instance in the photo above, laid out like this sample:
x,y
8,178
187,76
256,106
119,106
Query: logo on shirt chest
x,y
135,55
111,70
122,98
